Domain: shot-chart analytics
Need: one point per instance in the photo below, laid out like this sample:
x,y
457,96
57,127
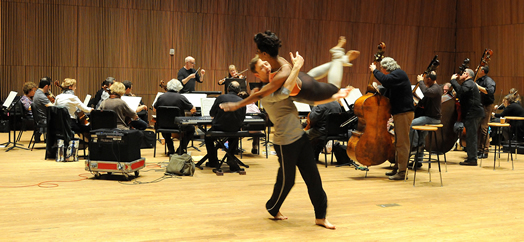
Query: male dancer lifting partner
x,y
293,150
306,87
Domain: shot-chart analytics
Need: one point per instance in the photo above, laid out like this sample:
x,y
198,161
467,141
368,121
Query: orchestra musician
x,y
225,121
318,124
513,109
101,94
174,99
123,112
471,109
41,101
72,103
431,104
141,110
233,73
293,150
302,87
487,88
29,91
515,93
188,76
398,90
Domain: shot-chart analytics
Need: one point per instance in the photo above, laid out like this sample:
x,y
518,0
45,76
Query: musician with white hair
x,y
174,99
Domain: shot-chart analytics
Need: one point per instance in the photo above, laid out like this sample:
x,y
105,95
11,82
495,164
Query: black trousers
x,y
472,126
299,154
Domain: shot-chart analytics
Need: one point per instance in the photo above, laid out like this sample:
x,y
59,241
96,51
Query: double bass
x,y
371,143
450,114
419,108
484,60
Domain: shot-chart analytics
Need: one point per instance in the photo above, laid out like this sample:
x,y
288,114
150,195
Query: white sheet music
x,y
351,98
194,98
157,95
132,102
86,101
302,107
10,99
418,92
207,104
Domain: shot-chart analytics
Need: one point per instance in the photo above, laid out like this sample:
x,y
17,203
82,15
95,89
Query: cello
x,y
371,138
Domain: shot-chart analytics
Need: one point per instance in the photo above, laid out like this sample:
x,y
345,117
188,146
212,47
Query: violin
x,y
82,117
371,143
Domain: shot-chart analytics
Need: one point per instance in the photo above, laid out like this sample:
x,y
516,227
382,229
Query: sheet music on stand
x,y
351,98
207,104
132,102
9,100
157,95
302,107
195,98
86,101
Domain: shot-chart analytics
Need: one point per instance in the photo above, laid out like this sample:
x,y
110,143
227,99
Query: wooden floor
x,y
42,200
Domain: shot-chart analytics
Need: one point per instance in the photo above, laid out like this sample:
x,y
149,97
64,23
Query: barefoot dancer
x,y
293,150
306,88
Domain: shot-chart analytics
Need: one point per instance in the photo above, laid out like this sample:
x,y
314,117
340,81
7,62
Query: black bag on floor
x,y
148,140
341,154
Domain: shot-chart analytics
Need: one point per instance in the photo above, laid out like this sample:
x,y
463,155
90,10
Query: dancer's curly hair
x,y
268,42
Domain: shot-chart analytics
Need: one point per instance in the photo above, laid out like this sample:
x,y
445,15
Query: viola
x,y
371,143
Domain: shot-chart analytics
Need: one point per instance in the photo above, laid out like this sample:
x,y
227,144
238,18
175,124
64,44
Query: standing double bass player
x,y
398,90
471,111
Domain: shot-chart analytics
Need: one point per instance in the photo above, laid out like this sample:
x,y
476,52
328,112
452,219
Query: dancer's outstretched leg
x,y
334,69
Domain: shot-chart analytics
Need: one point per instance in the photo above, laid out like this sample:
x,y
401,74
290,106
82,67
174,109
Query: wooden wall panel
x,y
130,39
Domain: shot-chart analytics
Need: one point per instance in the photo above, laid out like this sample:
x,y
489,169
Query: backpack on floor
x,y
181,165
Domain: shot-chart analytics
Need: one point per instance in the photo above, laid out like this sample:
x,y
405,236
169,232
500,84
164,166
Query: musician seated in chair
x,y
512,108
174,99
225,121
427,111
318,124
141,110
73,104
126,117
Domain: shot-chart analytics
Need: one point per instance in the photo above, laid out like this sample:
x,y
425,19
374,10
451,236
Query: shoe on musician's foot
x,y
399,176
170,152
392,173
468,163
482,156
254,151
410,165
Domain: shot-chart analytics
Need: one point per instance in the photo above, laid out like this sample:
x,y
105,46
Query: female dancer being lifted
x,y
305,87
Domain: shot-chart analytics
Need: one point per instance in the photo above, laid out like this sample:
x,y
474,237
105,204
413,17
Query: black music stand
x,y
241,81
8,107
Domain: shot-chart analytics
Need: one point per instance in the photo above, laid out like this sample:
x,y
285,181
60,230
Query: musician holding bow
x,y
430,104
188,76
69,100
487,88
398,90
472,111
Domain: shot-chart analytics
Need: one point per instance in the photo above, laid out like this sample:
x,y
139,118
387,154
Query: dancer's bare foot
x,y
324,223
341,42
279,216
352,55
